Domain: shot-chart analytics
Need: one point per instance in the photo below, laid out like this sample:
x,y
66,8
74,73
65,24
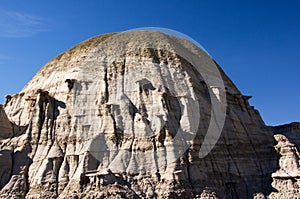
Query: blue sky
x,y
257,43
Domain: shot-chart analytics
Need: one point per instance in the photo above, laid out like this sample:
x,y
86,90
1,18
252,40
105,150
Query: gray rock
x,y
6,128
93,125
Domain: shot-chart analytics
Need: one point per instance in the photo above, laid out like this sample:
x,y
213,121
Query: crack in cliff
x,y
188,166
106,94
252,145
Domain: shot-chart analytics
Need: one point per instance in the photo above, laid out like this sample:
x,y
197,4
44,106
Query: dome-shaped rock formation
x,y
117,116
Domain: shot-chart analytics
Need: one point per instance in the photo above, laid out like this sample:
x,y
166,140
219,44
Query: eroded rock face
x,y
290,131
89,126
6,128
286,180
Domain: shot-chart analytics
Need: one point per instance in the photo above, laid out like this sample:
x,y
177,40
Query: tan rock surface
x,y
286,180
86,124
6,128
290,131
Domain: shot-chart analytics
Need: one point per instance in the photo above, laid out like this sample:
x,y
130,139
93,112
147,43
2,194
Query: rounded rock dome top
x,y
105,48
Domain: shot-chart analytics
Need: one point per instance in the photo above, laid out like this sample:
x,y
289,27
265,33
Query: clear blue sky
x,y
257,42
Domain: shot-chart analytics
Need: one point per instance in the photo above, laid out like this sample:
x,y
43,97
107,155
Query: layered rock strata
x,y
87,126
286,179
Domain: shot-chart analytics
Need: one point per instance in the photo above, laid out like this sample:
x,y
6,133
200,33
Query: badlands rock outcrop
x,y
287,178
102,119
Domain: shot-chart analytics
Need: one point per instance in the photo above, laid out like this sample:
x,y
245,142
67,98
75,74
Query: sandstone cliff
x,y
87,126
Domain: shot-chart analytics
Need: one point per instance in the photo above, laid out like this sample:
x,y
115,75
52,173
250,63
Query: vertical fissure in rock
x,y
162,136
132,110
26,179
55,113
123,76
252,145
58,163
232,159
41,115
12,166
188,166
155,153
117,133
106,94
29,134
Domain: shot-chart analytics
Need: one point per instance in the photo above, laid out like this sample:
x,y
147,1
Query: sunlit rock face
x,y
113,117
286,179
